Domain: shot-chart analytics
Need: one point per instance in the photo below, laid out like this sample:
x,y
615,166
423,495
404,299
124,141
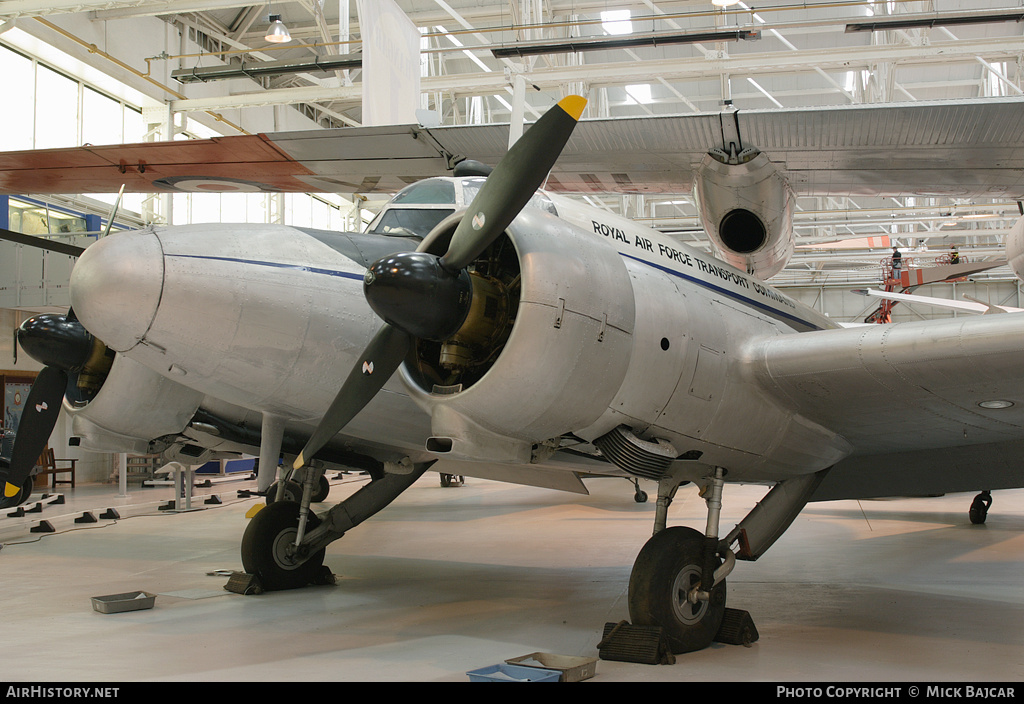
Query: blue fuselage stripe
x,y
276,265
774,312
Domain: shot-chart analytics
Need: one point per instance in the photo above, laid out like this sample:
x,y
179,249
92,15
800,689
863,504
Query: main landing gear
x,y
678,579
284,544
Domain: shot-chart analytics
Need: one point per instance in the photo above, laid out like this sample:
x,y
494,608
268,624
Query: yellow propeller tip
x,y
10,490
573,105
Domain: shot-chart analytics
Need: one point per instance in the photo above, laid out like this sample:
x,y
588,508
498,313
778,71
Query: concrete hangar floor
x,y
452,579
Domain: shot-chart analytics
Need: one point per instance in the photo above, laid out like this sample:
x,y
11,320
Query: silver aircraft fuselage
x,y
270,318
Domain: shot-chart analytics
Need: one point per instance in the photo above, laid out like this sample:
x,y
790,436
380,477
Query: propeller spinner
x,y
419,295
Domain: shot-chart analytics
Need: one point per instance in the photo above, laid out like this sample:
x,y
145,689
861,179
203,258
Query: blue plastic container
x,y
513,673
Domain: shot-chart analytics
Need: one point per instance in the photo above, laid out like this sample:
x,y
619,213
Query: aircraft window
x,y
406,222
540,201
425,192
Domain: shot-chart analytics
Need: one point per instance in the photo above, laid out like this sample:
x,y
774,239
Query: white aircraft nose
x,y
116,285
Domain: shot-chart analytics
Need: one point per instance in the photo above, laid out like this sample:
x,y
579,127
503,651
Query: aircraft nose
x,y
116,286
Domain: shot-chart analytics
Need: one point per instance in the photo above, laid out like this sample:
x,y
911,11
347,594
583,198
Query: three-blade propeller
x,y
419,295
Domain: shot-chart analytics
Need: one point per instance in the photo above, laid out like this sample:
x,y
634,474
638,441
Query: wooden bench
x,y
48,465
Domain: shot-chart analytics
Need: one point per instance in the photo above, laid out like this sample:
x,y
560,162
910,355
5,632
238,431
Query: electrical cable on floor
x,y
864,513
112,521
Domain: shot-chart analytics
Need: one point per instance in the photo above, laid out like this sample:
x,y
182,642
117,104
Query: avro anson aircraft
x,y
482,327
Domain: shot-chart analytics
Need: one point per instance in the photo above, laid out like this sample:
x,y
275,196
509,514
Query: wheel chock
x,y
325,576
110,514
86,517
737,628
213,499
625,642
43,527
244,583
254,510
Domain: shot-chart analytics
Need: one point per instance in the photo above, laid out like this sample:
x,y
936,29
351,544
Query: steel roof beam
x,y
632,72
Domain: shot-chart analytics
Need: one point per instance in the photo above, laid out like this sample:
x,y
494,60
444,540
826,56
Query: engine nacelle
x,y
134,406
746,208
618,353
556,369
1015,248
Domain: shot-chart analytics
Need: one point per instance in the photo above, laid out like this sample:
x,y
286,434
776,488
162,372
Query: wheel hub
x,y
284,552
688,609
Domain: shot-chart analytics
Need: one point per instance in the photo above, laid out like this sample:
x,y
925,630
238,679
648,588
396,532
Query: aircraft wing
x,y
969,148
905,387
924,404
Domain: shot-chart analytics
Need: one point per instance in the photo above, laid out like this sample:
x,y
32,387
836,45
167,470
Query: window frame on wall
x,y
48,109
64,120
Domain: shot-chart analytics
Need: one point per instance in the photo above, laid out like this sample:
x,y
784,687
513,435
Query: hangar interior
x,y
872,575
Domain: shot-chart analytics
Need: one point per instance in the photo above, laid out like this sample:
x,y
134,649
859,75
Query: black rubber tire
x,y
668,565
323,488
292,492
263,544
979,512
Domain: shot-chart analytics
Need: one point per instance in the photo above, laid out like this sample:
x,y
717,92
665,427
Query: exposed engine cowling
x,y
134,405
1015,248
542,352
746,208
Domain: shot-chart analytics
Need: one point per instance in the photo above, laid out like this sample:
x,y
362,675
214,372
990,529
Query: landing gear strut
x,y
284,544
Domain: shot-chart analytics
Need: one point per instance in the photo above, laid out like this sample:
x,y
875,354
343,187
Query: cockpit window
x,y
540,201
409,222
401,217
431,191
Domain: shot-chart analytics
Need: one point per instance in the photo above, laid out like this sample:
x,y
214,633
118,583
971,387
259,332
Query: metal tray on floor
x,y
119,603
